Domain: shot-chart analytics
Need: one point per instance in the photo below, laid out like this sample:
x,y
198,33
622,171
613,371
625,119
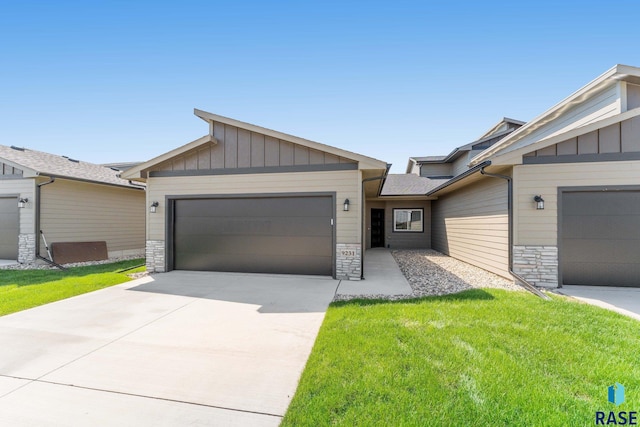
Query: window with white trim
x,y
408,220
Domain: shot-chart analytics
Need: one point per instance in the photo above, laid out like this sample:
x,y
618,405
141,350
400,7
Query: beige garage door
x,y
9,226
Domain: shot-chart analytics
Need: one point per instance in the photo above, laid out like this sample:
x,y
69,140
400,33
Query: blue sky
x,y
118,80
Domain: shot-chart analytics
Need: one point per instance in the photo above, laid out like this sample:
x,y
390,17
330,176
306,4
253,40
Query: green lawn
x,y
22,289
478,358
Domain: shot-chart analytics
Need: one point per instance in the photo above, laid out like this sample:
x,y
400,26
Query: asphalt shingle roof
x,y
51,164
409,185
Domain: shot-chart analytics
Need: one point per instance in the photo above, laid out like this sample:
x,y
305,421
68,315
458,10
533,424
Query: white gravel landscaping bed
x,y
432,273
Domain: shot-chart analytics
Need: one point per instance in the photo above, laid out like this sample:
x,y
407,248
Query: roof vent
x,y
114,169
73,160
17,148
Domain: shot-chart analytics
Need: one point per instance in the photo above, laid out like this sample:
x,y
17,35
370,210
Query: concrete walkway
x,y
382,276
622,300
181,348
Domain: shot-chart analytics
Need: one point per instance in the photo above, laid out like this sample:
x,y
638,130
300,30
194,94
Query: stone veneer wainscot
x,y
537,264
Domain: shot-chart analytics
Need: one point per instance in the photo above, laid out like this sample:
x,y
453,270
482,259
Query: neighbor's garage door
x,y
9,226
601,238
288,235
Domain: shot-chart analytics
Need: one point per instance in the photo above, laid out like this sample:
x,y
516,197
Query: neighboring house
x,y
70,201
574,202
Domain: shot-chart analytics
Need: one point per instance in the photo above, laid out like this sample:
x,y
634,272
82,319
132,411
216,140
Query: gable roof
x,y
616,73
40,163
364,162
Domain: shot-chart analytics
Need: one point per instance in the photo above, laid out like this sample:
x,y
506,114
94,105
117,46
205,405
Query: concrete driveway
x,y
183,348
622,300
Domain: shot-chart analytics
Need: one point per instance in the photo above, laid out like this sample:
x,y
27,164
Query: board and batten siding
x,y
25,188
472,225
73,211
540,227
240,148
346,184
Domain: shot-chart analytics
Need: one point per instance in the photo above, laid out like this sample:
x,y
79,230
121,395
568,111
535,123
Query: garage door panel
x,y
256,245
285,235
9,228
216,226
254,207
307,265
601,227
600,241
602,274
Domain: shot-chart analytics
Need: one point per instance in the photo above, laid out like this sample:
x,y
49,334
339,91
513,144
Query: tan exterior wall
x,y
472,225
26,189
73,211
400,240
436,169
540,227
633,96
461,164
346,184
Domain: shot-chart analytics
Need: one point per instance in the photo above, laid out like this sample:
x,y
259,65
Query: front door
x,y
377,228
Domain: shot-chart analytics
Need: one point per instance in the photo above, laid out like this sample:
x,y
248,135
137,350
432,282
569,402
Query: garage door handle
x,y
331,221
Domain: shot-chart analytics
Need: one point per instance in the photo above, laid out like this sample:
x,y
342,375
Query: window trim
x,y
421,210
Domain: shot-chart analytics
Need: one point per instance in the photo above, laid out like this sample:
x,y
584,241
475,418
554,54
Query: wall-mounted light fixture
x,y
154,207
346,205
539,202
22,202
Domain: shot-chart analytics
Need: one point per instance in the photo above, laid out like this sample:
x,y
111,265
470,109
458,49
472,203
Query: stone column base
x,y
155,256
348,261
537,264
26,248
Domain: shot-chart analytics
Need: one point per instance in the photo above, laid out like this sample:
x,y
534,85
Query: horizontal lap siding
x,y
472,225
80,212
344,183
26,188
540,227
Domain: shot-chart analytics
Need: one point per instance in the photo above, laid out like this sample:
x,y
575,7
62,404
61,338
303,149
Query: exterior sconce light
x,y
22,202
154,207
539,202
346,205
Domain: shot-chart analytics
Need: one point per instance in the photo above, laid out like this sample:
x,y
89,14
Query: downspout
x,y
38,193
518,279
363,216
38,231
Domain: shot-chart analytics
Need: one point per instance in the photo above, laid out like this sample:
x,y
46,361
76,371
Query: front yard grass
x,y
478,358
22,289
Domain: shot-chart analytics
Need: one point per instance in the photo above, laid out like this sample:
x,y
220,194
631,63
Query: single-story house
x,y
553,201
245,198
71,201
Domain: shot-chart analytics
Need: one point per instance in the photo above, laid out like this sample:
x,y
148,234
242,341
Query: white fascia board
x,y
135,172
515,157
579,96
364,162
